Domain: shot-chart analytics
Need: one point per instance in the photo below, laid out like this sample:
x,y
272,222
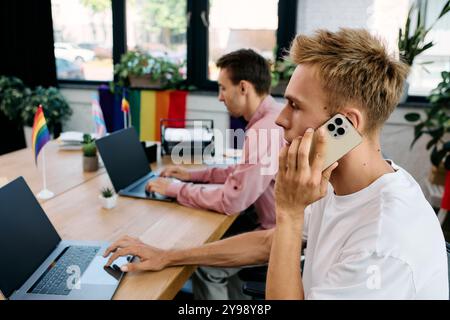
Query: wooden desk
x,y
64,168
77,215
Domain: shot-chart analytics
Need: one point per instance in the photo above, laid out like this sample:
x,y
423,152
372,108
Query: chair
x,y
255,280
447,244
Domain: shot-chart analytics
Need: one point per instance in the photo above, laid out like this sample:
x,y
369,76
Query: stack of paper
x,y
71,140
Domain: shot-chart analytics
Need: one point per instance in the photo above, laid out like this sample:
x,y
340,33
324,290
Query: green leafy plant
x,y
282,70
411,42
19,103
13,94
436,123
107,192
161,70
87,138
56,109
89,147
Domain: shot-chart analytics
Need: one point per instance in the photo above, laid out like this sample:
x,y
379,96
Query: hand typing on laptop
x,y
158,185
176,172
171,174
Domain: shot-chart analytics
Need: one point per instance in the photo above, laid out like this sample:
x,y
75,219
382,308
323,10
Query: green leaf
x,y
437,156
432,142
447,162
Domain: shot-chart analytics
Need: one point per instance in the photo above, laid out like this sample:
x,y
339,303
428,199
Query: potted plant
x,y
90,158
56,108
142,70
108,198
282,71
437,125
13,93
411,42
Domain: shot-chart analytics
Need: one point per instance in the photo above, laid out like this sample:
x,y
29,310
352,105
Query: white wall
x,y
381,17
331,14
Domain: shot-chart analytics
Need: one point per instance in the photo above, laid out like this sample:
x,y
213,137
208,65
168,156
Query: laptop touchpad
x,y
97,274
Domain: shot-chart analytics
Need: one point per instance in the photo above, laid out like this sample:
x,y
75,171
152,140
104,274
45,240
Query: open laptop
x,y
127,165
38,265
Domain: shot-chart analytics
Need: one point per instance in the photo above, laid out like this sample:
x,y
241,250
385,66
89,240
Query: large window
x,y
83,39
157,27
426,72
91,35
231,27
200,31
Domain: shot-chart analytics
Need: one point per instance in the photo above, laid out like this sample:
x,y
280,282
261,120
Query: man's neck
x,y
253,103
359,168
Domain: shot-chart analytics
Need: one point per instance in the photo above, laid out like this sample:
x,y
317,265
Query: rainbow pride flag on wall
x,y
40,134
147,108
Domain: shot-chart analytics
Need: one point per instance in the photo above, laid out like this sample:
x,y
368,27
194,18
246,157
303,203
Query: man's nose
x,y
283,119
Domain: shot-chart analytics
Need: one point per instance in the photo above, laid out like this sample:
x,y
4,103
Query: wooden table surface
x,y
64,168
76,213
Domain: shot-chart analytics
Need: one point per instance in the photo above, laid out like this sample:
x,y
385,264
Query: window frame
x,y
196,40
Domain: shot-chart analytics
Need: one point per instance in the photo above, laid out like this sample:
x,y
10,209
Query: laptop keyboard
x,y
54,281
140,188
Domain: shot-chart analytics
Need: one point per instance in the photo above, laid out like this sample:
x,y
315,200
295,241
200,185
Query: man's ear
x,y
244,87
356,117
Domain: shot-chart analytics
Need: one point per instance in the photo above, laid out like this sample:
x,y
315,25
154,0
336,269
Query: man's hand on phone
x,y
150,258
300,181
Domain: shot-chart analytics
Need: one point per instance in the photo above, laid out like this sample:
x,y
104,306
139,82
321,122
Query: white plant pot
x,y
28,131
108,203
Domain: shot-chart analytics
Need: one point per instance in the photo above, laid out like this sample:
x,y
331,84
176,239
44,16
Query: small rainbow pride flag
x,y
40,134
125,103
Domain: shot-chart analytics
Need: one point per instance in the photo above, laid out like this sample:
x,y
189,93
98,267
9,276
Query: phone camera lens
x,y
338,121
331,127
341,131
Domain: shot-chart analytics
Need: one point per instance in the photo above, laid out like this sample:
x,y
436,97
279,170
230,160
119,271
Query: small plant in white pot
x,y
108,198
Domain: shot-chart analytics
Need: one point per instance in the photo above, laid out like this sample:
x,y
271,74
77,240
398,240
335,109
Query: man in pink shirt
x,y
244,87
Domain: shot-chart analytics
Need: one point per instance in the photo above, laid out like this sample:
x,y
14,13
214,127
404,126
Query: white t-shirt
x,y
382,242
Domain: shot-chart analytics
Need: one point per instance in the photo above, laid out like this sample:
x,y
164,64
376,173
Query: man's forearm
x,y
284,276
245,249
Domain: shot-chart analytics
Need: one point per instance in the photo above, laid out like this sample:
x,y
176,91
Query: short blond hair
x,y
354,67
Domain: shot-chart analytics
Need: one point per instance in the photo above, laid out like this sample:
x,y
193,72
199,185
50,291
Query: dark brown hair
x,y
246,64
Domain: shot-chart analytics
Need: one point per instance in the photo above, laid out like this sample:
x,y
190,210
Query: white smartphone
x,y
341,138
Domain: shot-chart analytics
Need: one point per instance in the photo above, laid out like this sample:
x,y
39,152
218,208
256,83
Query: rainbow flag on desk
x,y
40,134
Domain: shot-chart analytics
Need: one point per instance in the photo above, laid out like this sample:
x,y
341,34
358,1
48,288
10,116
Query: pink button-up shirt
x,y
233,189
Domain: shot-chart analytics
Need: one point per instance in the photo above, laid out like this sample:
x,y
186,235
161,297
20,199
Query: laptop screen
x,y
124,157
27,237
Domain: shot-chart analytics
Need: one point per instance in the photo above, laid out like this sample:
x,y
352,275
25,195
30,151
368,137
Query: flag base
x,y
45,194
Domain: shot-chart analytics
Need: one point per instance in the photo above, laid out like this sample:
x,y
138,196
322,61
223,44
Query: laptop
x,y
38,265
127,165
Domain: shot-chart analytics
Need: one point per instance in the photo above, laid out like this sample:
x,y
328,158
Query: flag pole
x,y
45,194
43,169
124,120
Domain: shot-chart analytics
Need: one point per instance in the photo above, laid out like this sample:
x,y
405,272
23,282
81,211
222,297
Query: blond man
x,y
370,232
